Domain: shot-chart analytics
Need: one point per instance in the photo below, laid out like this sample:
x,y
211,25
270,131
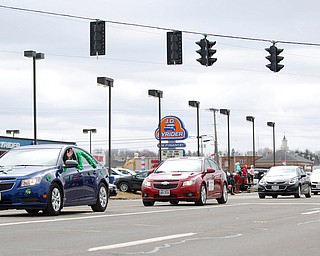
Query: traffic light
x,y
174,48
206,52
97,38
274,58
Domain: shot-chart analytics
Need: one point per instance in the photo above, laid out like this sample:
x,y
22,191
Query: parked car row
x,y
131,183
50,177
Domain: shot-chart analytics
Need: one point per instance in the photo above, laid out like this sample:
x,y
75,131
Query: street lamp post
x,y
35,56
13,132
158,94
196,104
227,112
251,119
107,82
90,131
203,143
272,124
216,154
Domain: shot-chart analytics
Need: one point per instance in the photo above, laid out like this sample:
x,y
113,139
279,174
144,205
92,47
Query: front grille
x,y
31,200
7,178
5,201
169,186
6,186
276,183
280,187
166,181
172,196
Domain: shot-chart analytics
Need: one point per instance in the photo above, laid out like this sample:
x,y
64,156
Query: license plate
x,y
275,187
164,192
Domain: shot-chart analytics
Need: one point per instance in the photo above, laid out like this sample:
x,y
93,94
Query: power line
x,y
157,27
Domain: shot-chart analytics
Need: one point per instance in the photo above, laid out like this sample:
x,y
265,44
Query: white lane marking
x,y
145,241
308,222
312,212
105,215
188,240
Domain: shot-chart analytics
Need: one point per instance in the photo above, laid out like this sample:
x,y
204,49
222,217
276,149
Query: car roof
x,y
187,157
43,146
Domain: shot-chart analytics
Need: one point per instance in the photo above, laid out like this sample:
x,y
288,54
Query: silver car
x,y
315,181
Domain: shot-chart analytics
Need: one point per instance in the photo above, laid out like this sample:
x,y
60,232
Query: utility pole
x,y
216,154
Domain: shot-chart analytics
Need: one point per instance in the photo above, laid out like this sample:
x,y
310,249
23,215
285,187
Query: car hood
x,y
278,178
21,171
315,178
172,176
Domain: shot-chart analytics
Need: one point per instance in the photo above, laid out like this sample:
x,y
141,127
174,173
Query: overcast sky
x,y
69,100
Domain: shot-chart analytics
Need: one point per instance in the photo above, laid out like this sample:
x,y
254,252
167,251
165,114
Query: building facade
x,y
7,143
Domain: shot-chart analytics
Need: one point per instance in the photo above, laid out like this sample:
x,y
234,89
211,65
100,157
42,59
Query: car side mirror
x,y
303,175
210,170
70,164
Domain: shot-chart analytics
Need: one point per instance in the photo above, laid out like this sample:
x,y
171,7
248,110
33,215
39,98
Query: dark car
x,y
131,183
51,176
113,190
192,179
284,181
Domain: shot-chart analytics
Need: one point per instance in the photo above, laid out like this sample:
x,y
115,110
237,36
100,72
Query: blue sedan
x,y
52,176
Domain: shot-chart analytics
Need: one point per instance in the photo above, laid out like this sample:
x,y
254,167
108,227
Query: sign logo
x,y
172,128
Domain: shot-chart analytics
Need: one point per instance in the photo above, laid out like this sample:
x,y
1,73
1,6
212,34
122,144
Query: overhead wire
x,y
157,27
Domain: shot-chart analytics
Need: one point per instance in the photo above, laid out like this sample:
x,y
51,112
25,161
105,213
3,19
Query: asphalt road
x,y
246,225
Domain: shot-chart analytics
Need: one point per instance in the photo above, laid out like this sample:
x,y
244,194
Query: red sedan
x,y
191,179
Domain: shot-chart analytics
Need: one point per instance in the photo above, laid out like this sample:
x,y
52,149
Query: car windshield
x,y
181,165
281,171
315,172
23,157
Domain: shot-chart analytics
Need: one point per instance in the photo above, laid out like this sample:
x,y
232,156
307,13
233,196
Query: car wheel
x,y
274,196
54,202
224,197
202,197
262,196
174,202
298,194
308,195
32,211
124,187
148,203
102,199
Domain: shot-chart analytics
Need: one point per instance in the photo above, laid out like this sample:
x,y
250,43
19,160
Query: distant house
x,y
284,157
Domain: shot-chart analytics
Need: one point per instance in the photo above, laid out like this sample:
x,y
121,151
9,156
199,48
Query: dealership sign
x,y
172,145
172,128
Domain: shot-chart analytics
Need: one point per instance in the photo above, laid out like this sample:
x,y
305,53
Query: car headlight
x,y
188,183
31,182
146,183
262,182
293,180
